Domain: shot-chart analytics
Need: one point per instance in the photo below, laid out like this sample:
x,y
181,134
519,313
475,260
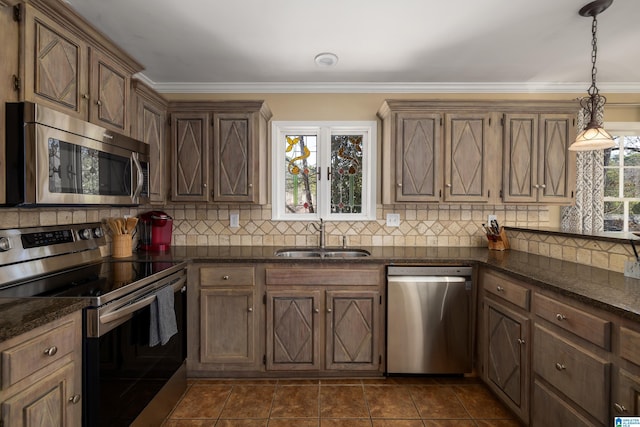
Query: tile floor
x,y
390,402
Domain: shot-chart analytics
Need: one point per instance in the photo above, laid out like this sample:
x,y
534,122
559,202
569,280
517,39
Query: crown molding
x,y
392,87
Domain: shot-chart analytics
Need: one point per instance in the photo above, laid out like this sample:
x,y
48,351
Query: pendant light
x,y
593,137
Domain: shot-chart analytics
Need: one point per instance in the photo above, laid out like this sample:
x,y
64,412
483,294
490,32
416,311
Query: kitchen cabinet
x,y
229,135
324,319
42,375
506,340
625,390
538,166
67,65
226,334
10,36
149,119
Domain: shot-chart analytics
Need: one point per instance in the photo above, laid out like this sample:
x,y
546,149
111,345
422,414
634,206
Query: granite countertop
x,y
600,288
20,315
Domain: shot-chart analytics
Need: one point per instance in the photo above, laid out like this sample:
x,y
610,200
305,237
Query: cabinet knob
x,y
316,310
500,288
225,277
250,309
561,317
620,408
329,310
74,399
99,103
560,366
51,350
399,184
521,341
250,185
448,185
85,96
204,185
543,186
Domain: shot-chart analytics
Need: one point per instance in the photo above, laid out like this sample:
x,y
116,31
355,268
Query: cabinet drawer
x,y
574,320
551,411
582,377
507,290
327,277
24,359
227,276
630,345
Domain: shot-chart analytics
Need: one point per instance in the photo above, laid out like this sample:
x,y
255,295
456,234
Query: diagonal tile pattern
x,y
373,402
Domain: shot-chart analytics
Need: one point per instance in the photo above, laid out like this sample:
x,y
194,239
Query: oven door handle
x,y
137,305
140,177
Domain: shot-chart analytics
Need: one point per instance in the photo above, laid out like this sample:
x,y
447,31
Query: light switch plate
x,y
393,220
234,219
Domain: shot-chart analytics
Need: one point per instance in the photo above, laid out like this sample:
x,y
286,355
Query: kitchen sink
x,y
321,253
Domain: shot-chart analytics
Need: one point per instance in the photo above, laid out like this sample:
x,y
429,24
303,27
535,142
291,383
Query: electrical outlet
x,y
393,220
234,220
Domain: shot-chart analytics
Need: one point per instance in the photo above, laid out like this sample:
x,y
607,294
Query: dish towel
x,y
162,321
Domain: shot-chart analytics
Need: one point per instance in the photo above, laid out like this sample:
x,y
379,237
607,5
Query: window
x,y
622,178
324,170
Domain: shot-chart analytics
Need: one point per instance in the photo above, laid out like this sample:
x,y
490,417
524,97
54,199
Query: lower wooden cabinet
x,y
42,376
625,394
550,410
324,319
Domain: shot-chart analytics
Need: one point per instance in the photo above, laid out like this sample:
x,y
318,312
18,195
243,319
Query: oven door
x,y
122,373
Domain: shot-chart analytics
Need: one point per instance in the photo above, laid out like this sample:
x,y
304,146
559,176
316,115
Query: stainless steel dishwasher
x,y
429,320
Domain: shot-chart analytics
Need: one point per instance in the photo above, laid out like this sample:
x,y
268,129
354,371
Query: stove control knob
x,y
97,232
85,234
5,244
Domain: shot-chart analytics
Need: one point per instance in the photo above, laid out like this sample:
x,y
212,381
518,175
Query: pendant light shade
x,y
593,137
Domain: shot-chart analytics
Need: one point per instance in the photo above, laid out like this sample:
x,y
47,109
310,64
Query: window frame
x,y
324,130
621,129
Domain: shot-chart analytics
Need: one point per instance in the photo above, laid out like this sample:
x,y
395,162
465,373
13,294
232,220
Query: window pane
x,y
631,182
634,216
346,173
613,216
611,182
612,155
631,150
300,174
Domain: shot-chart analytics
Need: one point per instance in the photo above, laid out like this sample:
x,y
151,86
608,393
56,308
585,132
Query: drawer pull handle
x,y
620,408
250,309
51,350
561,317
225,277
74,399
500,288
521,341
560,367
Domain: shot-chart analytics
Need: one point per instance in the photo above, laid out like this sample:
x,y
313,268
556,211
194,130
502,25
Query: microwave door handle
x,y
140,176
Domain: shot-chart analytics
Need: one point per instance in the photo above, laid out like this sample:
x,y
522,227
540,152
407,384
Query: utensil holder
x,y
121,246
498,242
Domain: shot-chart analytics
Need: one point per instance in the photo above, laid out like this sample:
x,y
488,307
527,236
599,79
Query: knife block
x,y
498,242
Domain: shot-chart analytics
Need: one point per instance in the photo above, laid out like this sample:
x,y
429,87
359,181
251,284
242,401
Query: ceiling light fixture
x,y
326,59
593,137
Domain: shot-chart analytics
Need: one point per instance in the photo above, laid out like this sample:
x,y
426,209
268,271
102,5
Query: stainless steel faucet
x,y
320,229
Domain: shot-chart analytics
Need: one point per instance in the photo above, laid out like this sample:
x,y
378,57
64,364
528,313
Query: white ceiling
x,y
393,45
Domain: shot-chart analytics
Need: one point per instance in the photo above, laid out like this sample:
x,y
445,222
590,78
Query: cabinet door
x,y
556,164
189,148
54,65
625,397
418,162
227,326
9,66
520,174
49,402
507,356
553,411
233,158
293,330
150,128
465,157
110,86
352,330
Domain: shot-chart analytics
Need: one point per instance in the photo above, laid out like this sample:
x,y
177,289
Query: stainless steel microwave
x,y
54,159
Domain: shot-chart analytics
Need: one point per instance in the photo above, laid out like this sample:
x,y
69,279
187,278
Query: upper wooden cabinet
x,y
452,151
232,135
69,66
149,119
538,166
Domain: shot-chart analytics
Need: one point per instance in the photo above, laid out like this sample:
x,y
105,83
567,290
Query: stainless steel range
x,y
124,365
